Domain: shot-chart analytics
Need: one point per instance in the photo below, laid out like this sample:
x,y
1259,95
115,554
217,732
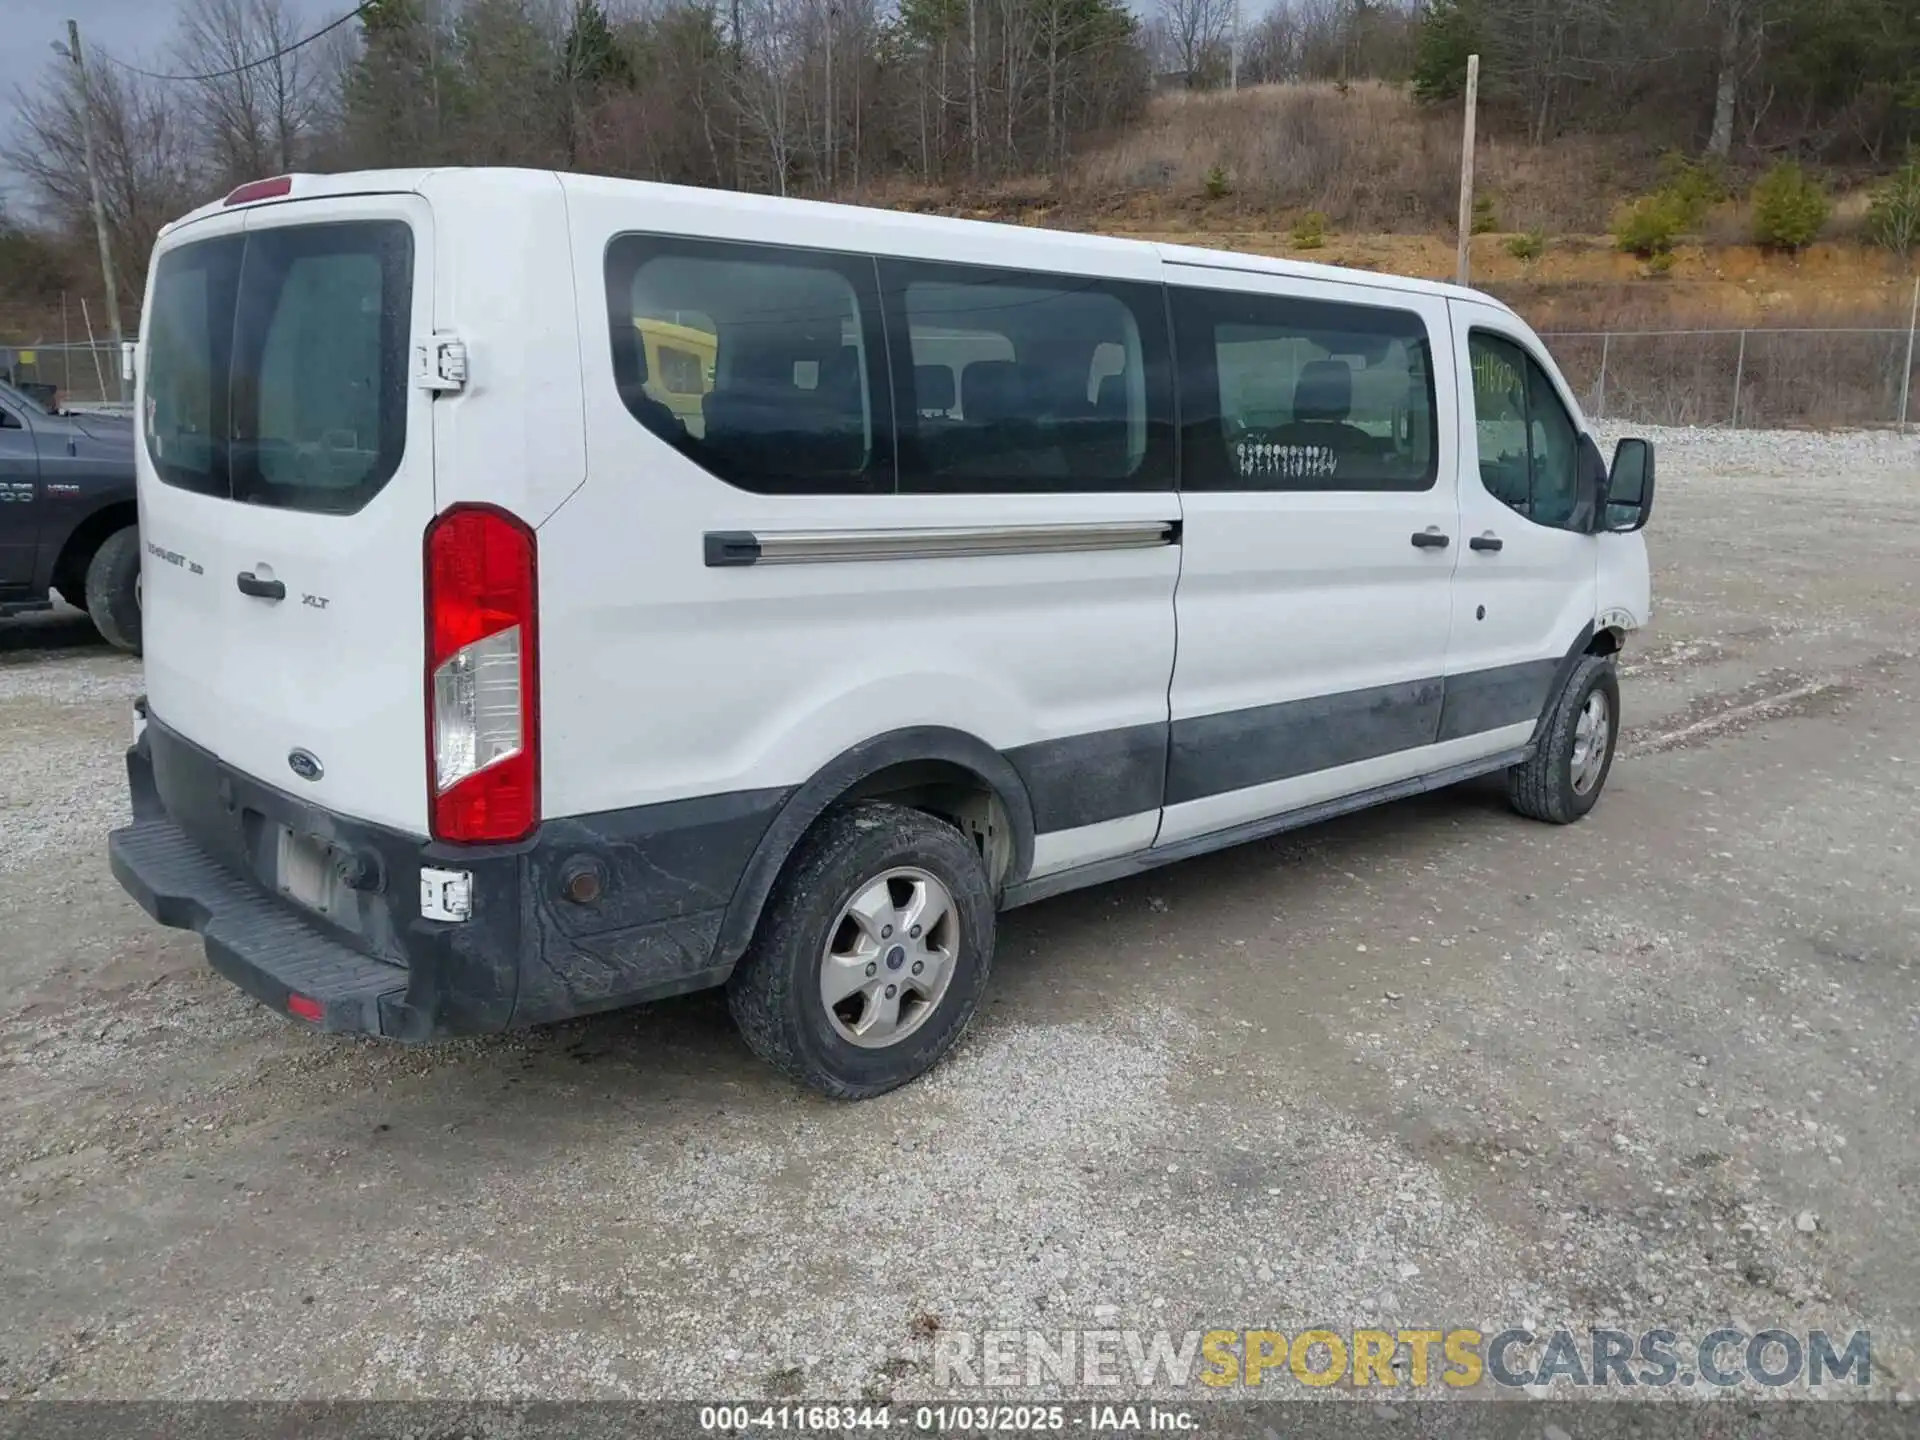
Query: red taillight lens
x,y
483,743
259,190
306,1008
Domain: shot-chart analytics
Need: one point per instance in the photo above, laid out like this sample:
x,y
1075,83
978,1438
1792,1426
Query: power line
x,y
328,28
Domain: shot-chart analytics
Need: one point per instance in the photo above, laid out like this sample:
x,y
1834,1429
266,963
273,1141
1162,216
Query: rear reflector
x,y
306,1007
260,190
482,677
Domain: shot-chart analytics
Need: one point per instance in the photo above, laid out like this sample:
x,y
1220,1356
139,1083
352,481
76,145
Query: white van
x,y
969,564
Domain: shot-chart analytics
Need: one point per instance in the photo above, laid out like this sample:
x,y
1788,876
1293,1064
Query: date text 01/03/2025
x,y
943,1419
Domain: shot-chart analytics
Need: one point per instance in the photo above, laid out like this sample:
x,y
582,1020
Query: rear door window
x,y
276,365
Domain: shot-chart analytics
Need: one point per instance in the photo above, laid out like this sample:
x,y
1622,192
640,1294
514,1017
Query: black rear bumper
x,y
202,855
257,943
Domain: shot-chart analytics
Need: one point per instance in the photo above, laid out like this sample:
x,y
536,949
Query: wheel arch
x,y
925,767
1584,644
69,572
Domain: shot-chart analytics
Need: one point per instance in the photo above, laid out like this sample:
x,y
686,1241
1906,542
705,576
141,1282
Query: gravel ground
x,y
1426,1065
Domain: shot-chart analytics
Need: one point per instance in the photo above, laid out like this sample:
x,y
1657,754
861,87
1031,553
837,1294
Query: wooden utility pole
x,y
1466,169
93,184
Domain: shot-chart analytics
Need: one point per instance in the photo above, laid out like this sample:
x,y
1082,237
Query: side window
x,y
1285,394
769,363
1025,383
1556,450
1529,448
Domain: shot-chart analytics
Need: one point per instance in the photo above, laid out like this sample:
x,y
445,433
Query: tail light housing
x,y
483,733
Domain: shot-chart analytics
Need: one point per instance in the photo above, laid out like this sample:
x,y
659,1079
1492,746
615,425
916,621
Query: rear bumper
x,y
202,852
258,944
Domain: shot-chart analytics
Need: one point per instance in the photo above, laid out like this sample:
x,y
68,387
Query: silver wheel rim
x,y
889,958
1591,733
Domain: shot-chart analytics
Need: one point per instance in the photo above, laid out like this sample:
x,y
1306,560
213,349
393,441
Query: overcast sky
x,y
139,32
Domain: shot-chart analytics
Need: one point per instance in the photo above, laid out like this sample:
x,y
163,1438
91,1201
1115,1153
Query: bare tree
x,y
257,119
1194,30
764,85
145,145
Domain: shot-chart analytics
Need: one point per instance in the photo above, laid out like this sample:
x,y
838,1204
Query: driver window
x,y
1529,448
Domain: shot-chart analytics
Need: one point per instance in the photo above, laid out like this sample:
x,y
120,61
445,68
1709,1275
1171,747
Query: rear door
x,y
1318,543
286,480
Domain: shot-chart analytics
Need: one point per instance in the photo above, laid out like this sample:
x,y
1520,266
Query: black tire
x,y
774,992
1543,788
113,589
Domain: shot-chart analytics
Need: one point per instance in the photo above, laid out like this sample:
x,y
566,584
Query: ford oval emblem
x,y
305,764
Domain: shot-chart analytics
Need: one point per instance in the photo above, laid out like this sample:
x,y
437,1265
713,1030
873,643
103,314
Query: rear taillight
x,y
483,743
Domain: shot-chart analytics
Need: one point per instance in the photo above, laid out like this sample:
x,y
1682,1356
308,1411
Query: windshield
x,y
276,364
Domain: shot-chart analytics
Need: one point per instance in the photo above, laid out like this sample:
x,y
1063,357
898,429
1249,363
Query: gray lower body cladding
x,y
202,854
679,884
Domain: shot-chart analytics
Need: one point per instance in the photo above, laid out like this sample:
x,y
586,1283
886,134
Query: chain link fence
x,y
83,374
1744,379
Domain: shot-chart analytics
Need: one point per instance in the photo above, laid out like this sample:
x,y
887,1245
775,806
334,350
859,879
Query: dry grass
x,y
1367,157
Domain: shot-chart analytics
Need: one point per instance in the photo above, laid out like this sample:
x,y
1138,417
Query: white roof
x,y
820,224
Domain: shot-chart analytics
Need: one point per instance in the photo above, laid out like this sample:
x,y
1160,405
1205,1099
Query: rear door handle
x,y
1485,542
1429,540
252,584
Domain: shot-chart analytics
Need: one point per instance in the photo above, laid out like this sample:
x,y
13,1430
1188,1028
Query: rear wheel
x,y
872,953
113,589
1563,779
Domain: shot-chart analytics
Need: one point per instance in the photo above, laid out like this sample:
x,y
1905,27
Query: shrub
x,y
1530,246
1695,186
1310,231
1658,265
1650,226
1789,208
1217,185
1893,214
1486,219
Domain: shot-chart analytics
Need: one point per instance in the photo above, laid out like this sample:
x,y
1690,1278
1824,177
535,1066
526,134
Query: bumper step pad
x,y
254,940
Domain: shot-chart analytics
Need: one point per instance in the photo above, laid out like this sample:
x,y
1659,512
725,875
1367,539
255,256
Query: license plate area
x,y
306,871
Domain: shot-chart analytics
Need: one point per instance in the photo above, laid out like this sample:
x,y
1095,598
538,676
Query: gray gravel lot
x,y
1427,1065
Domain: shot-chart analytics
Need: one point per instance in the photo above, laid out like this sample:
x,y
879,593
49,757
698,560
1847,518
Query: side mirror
x,y
1630,486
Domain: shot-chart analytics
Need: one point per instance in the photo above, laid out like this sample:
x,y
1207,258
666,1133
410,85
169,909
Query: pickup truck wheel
x,y
113,589
872,952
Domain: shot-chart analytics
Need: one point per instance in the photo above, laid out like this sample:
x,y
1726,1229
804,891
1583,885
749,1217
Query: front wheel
x,y
1569,767
872,954
113,589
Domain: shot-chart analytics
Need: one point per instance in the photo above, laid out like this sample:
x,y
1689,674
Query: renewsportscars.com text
x,y
1455,1359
